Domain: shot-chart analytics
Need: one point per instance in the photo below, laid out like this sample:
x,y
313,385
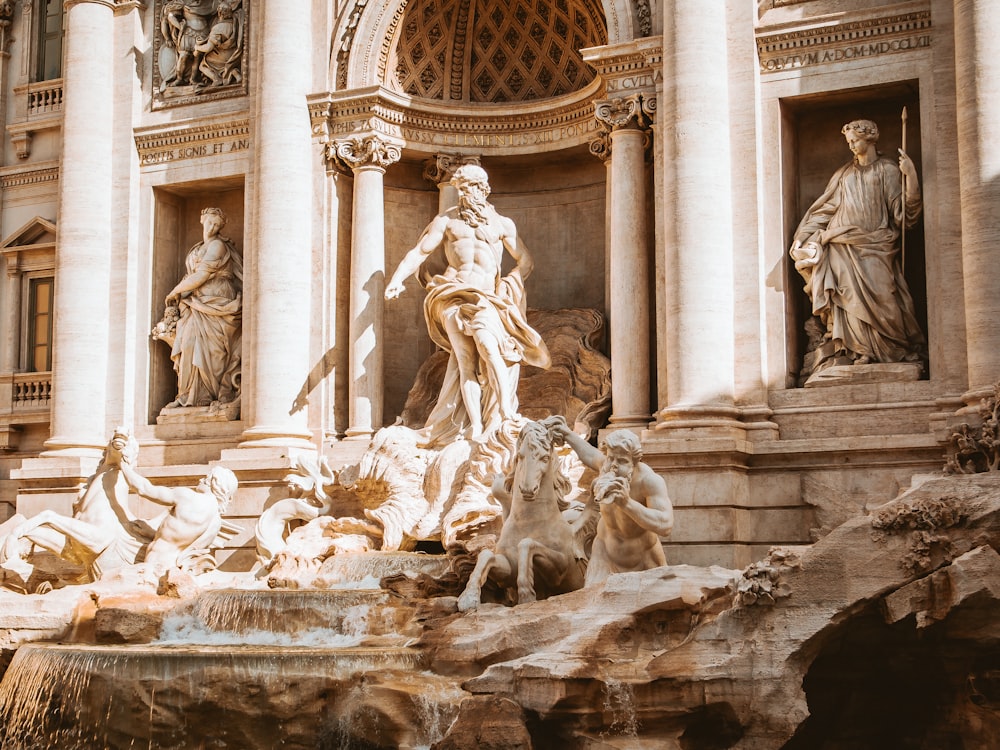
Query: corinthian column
x,y
83,260
698,222
368,158
629,258
279,268
977,67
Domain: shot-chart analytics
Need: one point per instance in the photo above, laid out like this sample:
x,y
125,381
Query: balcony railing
x,y
31,390
44,98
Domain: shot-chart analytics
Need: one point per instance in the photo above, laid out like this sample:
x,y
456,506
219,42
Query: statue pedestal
x,y
883,372
216,412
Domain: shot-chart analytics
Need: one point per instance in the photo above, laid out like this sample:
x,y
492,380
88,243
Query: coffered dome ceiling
x,y
489,51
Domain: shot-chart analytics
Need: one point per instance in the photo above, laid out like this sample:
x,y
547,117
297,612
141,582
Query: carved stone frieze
x,y
431,130
364,151
158,145
200,51
825,43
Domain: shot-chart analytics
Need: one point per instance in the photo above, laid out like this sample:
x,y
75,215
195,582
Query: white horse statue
x,y
538,550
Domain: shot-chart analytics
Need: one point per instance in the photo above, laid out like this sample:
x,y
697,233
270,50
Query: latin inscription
x,y
644,81
855,52
180,153
509,139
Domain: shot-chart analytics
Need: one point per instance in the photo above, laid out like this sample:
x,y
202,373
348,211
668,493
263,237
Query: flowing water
x,y
237,669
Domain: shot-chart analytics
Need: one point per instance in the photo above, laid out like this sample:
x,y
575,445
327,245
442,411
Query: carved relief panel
x,y
200,51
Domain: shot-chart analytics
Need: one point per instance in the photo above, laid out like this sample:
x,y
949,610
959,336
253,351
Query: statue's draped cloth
x,y
208,345
500,315
858,284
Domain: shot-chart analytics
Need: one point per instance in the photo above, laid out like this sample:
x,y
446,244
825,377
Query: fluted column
x,y
629,258
279,266
977,24
368,158
83,259
698,221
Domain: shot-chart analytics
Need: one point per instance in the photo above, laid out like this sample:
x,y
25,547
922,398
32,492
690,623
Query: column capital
x,y
632,111
364,152
600,146
440,167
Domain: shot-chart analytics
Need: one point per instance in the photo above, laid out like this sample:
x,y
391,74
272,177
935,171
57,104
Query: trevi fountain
x,y
451,374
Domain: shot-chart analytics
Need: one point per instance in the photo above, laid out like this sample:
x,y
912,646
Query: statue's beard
x,y
472,212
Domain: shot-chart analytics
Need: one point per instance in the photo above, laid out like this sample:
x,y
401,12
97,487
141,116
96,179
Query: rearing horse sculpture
x,y
538,549
101,535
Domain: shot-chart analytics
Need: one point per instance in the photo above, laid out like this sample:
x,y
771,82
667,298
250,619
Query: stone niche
x,y
813,150
557,202
176,229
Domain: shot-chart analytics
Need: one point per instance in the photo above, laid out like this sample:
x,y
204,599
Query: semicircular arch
x,y
366,32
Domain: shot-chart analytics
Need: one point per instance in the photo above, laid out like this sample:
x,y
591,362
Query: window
x,y
40,324
50,39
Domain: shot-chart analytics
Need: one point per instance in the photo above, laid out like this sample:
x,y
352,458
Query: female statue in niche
x,y
203,319
846,249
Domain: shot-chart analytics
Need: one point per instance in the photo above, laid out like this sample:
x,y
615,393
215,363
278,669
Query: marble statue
x,y
635,508
101,535
472,312
184,534
539,553
203,43
847,249
203,320
309,485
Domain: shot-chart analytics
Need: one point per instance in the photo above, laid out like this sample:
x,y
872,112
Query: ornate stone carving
x,y
103,535
625,111
762,582
925,520
975,448
202,322
474,313
601,146
364,151
200,50
441,168
865,310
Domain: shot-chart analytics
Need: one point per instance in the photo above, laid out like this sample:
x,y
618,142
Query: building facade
x,y
656,156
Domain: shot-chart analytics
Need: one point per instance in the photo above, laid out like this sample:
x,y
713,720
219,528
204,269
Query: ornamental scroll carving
x,y
364,151
635,110
200,50
441,167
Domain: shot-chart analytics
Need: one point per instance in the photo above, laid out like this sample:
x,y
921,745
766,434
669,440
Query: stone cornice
x,y
36,174
123,7
430,128
632,66
106,3
173,142
836,40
